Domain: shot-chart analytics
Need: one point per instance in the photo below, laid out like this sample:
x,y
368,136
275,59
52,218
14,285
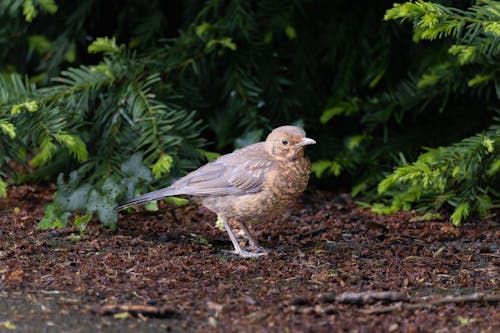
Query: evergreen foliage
x,y
464,174
89,122
115,98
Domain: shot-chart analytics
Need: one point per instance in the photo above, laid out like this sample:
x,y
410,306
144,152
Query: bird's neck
x,y
299,154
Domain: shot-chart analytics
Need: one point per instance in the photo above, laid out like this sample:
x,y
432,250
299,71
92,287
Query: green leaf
x,y
107,214
47,149
162,165
495,166
428,80
319,167
105,45
358,188
54,218
122,315
268,37
202,28
74,238
39,43
465,320
465,54
290,32
209,155
94,199
151,206
354,141
135,168
8,128
3,188
483,205
492,27
427,217
330,113
48,5
130,183
385,184
460,213
201,240
103,206
373,83
70,55
489,144
82,221
225,42
112,189
219,224
345,108
102,68
176,201
31,106
479,79
383,209
77,200
74,144
8,325
29,10
402,11
335,168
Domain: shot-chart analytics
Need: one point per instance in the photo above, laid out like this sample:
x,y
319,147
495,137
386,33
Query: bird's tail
x,y
155,195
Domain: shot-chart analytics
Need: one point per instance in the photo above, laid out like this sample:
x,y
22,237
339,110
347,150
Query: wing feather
x,y
228,174
238,173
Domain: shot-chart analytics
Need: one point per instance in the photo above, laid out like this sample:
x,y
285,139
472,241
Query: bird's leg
x,y
253,242
237,248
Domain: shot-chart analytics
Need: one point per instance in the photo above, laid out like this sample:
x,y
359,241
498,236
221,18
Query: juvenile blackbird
x,y
248,184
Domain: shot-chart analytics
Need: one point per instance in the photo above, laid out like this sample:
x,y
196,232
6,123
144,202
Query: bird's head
x,y
287,142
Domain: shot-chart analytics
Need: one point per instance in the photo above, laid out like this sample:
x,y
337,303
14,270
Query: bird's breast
x,y
291,178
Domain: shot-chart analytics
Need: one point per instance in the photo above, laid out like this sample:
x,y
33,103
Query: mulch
x,y
396,272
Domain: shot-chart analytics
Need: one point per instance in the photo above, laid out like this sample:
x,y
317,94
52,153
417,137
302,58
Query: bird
x,y
246,185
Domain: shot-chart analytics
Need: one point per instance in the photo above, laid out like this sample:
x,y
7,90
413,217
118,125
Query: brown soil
x,y
172,260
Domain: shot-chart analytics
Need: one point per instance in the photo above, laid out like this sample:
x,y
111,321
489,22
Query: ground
x,y
169,264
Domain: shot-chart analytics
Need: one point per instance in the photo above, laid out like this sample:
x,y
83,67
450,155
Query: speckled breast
x,y
282,185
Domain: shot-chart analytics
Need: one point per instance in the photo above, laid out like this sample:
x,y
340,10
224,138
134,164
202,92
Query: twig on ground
x,y
370,297
476,297
423,303
134,310
401,301
362,298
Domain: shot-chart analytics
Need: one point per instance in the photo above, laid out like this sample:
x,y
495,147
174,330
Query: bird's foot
x,y
245,254
259,249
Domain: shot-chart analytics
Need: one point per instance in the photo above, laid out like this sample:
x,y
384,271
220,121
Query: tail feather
x,y
151,196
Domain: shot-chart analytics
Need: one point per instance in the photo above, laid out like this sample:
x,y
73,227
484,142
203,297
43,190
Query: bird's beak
x,y
305,142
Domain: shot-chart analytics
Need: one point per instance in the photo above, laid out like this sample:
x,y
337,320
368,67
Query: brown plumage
x,y
248,184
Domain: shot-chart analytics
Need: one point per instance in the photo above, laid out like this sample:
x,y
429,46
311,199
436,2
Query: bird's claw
x,y
260,249
245,254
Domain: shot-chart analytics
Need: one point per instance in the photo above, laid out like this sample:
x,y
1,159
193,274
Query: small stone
x,y
394,327
484,248
212,322
327,297
325,309
300,301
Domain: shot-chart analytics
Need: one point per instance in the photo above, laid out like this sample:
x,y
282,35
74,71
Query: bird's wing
x,y
225,177
240,172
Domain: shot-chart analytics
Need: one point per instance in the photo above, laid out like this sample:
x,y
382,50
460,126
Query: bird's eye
x,y
284,141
